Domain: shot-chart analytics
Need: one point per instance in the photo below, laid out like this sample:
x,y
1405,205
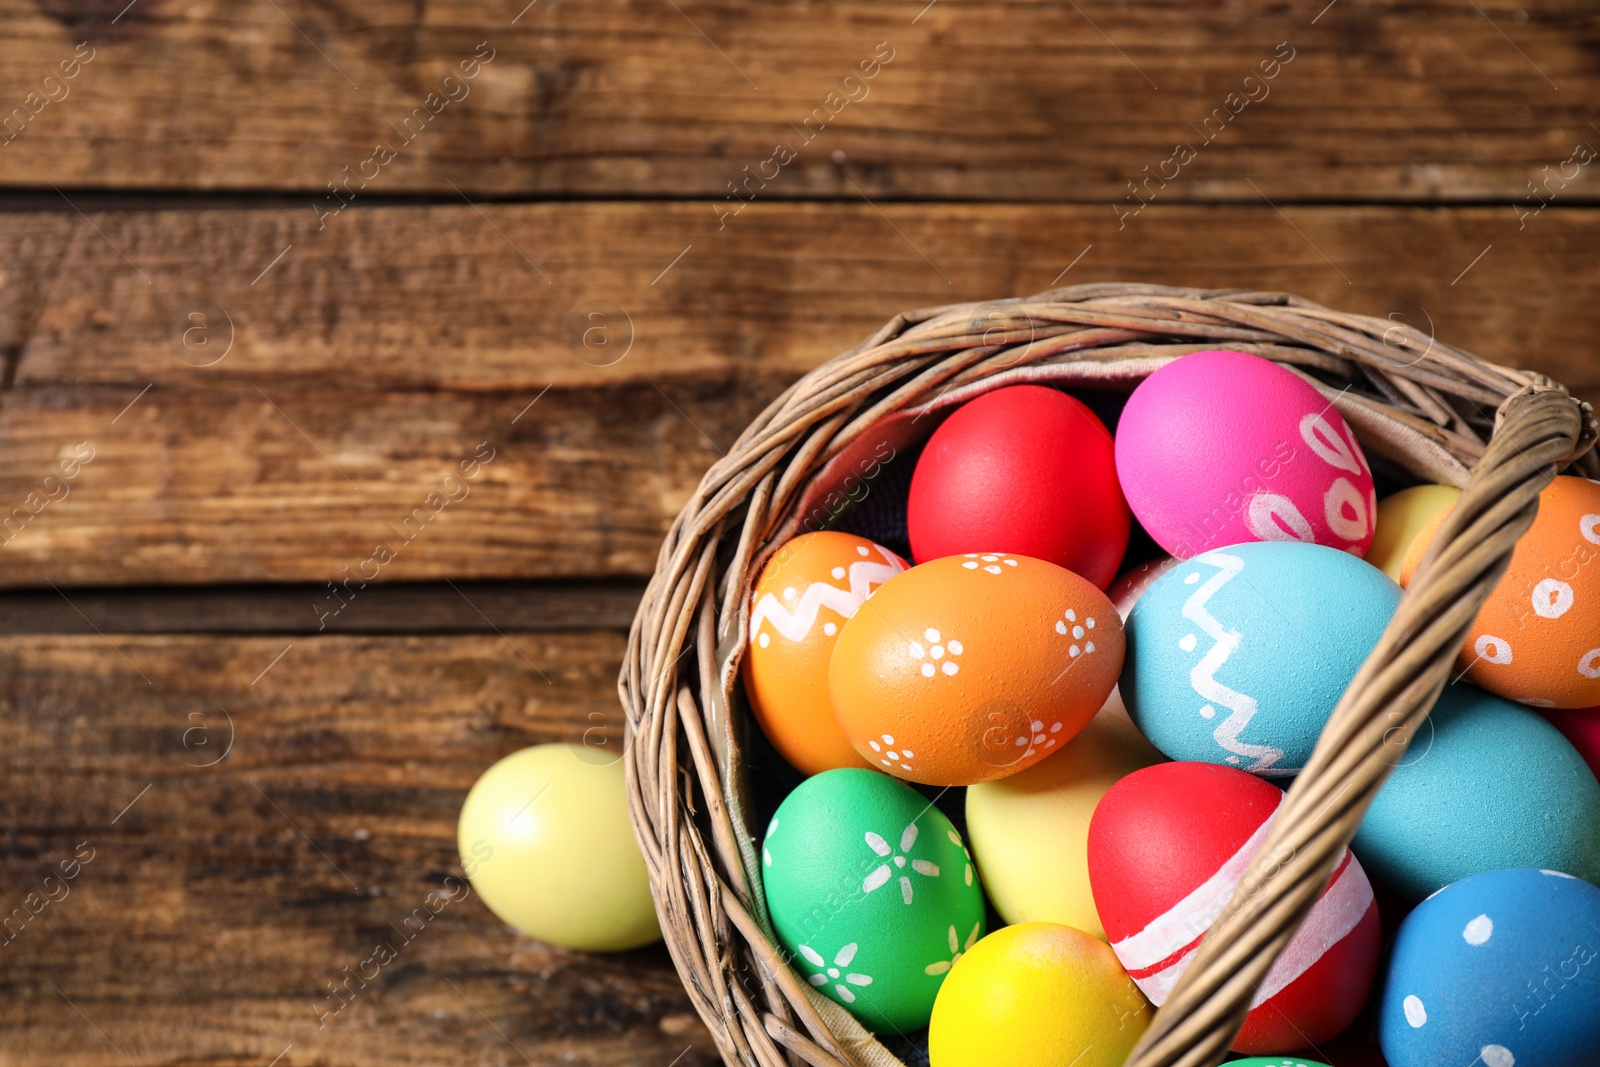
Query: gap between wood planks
x,y
29,199
461,607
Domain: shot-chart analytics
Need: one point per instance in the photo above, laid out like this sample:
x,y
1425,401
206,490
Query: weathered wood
x,y
217,904
199,486
366,354
1030,101
407,299
372,360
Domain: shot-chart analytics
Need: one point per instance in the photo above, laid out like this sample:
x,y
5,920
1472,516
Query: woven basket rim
x,y
1436,411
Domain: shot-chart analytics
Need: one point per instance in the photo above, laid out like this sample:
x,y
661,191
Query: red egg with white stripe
x,y
1167,846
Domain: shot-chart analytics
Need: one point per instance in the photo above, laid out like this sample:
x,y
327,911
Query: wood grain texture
x,y
1019,101
218,904
269,390
374,358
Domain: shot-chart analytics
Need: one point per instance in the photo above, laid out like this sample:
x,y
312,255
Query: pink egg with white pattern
x,y
1218,448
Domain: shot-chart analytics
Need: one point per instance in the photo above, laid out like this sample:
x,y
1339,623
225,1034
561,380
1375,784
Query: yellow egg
x,y
1037,994
1030,832
1400,518
546,841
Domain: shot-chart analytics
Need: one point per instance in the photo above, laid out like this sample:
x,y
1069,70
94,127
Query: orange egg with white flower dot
x,y
970,668
1537,638
805,594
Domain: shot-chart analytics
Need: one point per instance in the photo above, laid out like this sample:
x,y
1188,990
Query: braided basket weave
x,y
1421,409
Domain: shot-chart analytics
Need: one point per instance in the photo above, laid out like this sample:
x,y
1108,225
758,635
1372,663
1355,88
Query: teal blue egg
x,y
1485,784
1238,655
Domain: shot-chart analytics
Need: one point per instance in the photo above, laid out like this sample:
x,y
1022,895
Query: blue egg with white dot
x,y
1238,655
1501,969
1485,784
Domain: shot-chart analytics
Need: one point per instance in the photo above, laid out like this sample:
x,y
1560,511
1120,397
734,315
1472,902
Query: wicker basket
x,y
1422,410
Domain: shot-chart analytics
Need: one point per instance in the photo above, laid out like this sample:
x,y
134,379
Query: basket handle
x,y
1537,432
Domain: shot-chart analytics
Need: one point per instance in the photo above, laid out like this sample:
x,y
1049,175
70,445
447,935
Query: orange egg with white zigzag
x,y
806,593
1537,638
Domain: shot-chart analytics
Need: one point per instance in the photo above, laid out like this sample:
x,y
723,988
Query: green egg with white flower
x,y
873,894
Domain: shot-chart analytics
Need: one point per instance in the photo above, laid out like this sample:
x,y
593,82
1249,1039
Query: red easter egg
x,y
1026,470
1168,845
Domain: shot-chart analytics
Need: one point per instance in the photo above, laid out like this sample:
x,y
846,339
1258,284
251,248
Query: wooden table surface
x,y
270,272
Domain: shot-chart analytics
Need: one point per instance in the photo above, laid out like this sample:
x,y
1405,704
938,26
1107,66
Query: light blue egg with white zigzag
x,y
1238,655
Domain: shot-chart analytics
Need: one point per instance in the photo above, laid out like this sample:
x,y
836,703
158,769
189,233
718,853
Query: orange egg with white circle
x,y
804,596
1537,638
970,668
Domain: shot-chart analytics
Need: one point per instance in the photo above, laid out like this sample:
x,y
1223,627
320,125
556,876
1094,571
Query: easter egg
x,y
1501,969
871,892
1537,638
1401,517
1485,783
1038,994
1240,654
1030,831
546,841
1581,726
806,592
1216,448
1167,846
1027,470
969,668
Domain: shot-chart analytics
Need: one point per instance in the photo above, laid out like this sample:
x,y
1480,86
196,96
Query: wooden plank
x,y
189,487
370,361
218,901
1026,101
397,300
